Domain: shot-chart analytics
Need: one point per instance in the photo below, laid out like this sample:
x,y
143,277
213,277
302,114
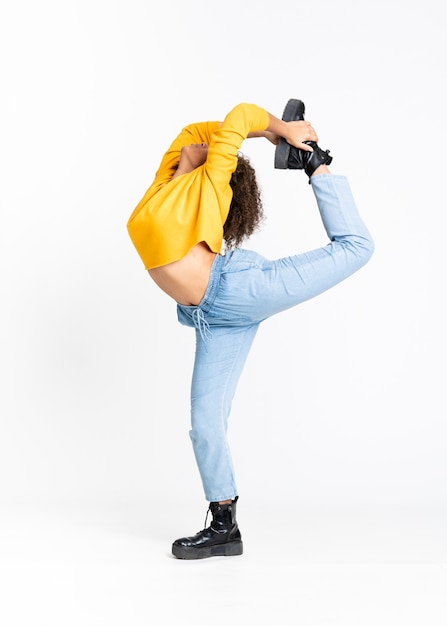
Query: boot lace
x,y
206,517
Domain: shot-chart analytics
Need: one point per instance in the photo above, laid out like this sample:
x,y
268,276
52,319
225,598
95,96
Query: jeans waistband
x,y
194,315
213,284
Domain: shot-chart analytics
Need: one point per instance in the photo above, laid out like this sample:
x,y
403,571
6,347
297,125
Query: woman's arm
x,y
193,133
249,120
294,133
267,134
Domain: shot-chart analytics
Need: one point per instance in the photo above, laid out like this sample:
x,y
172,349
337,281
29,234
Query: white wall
x,y
342,399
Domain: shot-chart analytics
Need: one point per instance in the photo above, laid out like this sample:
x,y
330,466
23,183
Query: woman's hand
x,y
297,132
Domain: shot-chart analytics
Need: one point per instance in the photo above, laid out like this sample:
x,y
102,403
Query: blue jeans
x,y
245,289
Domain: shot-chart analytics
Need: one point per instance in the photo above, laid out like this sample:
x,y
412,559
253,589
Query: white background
x,y
341,408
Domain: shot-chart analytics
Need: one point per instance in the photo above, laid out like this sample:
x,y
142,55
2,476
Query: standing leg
x,y
218,365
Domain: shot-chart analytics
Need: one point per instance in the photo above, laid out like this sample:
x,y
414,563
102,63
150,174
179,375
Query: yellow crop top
x,y
175,215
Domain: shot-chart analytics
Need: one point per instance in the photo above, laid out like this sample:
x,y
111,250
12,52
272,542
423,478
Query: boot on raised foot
x,y
288,157
308,161
293,111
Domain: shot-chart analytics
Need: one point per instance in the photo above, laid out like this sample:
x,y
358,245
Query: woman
x,y
205,195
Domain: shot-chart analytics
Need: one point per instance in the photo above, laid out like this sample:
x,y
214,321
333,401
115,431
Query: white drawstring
x,y
201,324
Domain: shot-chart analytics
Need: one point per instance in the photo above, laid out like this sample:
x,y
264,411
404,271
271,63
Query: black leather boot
x,y
221,538
294,110
288,157
308,161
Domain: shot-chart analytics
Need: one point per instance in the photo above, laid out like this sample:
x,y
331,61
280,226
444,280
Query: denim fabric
x,y
244,289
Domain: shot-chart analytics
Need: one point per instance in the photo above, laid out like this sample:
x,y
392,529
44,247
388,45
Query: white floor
x,y
93,565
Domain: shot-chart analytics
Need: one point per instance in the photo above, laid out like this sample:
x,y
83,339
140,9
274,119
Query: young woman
x,y
187,229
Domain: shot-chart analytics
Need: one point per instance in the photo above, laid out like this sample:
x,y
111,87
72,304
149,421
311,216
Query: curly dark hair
x,y
246,211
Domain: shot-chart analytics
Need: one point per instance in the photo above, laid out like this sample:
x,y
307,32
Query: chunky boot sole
x,y
294,110
232,548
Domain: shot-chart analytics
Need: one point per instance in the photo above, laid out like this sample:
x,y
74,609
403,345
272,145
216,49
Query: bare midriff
x,y
186,280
